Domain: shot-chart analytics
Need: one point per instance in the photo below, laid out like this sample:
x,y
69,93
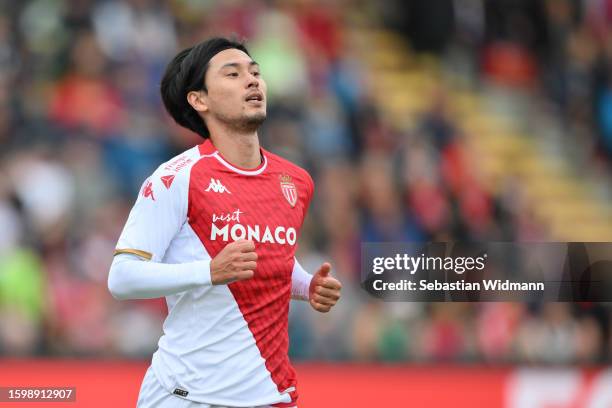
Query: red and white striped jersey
x,y
226,344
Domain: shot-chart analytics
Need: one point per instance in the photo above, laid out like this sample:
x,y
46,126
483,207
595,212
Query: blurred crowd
x,y
82,126
561,49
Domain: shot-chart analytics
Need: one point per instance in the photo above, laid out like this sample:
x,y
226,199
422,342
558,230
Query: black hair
x,y
186,73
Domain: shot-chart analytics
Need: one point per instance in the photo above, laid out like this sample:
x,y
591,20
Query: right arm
x,y
137,271
132,277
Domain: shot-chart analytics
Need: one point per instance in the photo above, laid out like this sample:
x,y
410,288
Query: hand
x,y
324,290
235,262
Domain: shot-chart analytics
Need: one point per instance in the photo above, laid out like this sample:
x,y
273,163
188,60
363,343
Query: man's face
x,y
236,92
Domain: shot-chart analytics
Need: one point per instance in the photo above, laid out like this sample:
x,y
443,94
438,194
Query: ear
x,y
198,100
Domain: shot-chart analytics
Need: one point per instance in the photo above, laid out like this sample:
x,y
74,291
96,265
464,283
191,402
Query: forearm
x,y
300,282
133,278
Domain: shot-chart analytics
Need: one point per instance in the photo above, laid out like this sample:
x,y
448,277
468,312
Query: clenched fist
x,y
236,262
324,290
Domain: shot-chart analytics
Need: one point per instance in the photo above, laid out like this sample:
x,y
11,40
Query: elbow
x,y
115,287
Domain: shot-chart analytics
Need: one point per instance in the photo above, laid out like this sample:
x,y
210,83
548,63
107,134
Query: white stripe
x,y
193,339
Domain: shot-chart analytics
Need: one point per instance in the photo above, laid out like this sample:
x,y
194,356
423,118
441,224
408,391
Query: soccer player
x,y
214,230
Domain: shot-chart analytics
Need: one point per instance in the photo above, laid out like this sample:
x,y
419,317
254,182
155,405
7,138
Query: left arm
x,y
321,290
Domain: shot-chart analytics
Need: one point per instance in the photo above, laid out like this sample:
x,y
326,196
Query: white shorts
x,y
153,395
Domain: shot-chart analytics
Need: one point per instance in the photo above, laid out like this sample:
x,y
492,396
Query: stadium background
x,y
438,120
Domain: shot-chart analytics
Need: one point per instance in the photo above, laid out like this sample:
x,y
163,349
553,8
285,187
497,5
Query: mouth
x,y
254,97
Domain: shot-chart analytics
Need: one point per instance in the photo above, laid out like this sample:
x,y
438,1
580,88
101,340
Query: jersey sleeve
x,y
157,216
300,282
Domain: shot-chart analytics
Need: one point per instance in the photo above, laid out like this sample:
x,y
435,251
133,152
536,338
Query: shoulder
x,y
170,180
181,163
176,169
282,164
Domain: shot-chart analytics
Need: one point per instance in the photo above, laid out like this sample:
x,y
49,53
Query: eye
x,y
256,73
232,74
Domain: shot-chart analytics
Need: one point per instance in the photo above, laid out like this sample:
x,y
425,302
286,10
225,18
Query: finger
x,y
246,266
322,300
320,308
248,256
236,244
324,270
246,245
330,283
328,293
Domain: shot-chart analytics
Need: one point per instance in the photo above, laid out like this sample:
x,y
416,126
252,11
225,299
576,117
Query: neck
x,y
240,149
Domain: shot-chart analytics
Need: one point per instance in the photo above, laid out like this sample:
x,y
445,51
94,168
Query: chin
x,y
256,117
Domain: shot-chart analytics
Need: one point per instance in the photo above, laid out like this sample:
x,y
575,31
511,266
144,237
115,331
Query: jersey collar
x,y
209,150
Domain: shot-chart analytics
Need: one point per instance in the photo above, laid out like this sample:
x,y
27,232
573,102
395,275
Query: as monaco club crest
x,y
288,189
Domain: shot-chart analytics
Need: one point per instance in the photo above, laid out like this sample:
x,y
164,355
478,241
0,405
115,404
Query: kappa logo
x,y
216,187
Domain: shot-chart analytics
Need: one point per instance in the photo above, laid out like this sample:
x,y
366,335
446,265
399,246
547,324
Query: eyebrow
x,y
236,65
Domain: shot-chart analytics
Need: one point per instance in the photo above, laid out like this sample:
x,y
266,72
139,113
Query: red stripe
x,y
263,300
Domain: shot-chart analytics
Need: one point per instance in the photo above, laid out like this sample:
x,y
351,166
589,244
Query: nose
x,y
253,82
